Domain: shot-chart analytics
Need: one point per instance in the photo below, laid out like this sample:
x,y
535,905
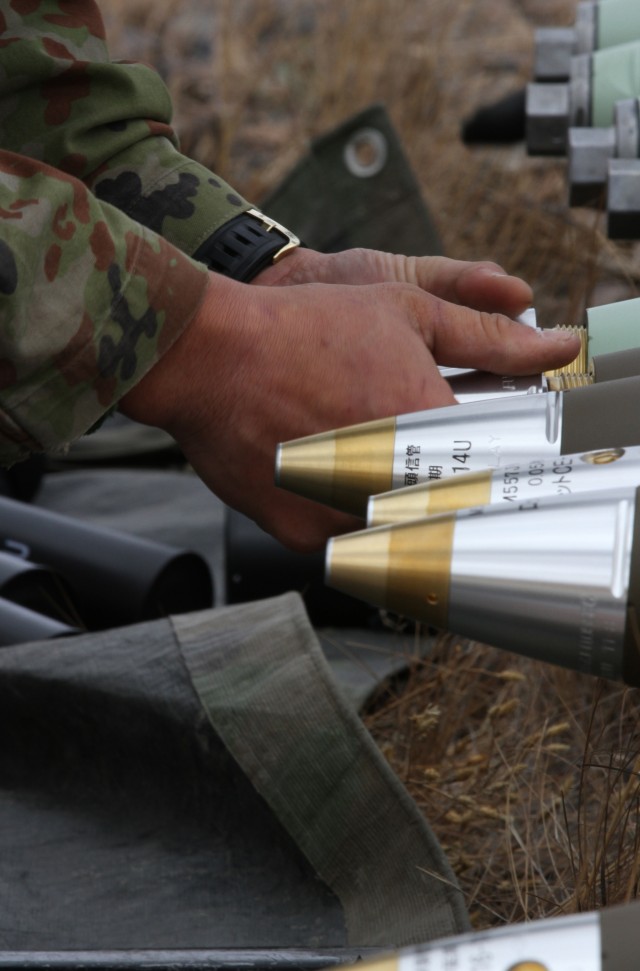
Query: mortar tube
x,y
115,579
37,588
19,625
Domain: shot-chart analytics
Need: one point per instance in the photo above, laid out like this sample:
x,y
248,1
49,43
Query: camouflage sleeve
x,y
63,102
89,300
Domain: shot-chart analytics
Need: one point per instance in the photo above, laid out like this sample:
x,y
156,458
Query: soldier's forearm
x,y
62,101
89,301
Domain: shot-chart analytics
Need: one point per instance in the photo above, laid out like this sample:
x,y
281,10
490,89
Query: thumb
x,y
462,337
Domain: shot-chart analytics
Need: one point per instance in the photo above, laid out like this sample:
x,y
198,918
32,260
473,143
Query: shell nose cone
x,y
358,564
306,466
340,468
405,567
430,499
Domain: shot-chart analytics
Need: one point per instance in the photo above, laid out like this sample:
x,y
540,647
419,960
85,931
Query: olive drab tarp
x,y
203,781
356,187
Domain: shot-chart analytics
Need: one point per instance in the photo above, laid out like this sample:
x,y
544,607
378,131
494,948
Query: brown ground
x,y
528,774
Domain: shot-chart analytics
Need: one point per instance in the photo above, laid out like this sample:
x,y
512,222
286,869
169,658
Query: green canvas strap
x,y
269,694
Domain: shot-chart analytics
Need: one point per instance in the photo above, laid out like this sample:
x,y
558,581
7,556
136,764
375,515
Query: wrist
x,y
245,245
300,265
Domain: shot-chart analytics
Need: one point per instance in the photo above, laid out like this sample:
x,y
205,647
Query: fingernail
x,y
560,336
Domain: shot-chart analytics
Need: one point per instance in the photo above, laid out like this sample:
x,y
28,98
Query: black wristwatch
x,y
245,245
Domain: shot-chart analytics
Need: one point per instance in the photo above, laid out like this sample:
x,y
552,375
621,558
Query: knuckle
x,y
494,326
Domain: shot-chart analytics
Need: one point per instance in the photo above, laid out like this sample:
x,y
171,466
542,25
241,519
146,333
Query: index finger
x,y
483,285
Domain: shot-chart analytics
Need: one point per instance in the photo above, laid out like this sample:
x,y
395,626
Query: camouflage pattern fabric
x,y
96,205
89,299
63,102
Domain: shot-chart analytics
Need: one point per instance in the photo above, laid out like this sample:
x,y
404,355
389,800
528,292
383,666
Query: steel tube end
x,y
626,121
589,151
579,91
623,199
554,48
430,499
547,112
404,568
586,27
340,468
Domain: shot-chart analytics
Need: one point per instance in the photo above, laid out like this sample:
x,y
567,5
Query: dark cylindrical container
x,y
258,566
36,588
19,625
115,579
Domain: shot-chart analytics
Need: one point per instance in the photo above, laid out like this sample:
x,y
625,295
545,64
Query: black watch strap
x,y
245,245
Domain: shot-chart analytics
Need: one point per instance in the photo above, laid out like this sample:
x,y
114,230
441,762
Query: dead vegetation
x,y
529,775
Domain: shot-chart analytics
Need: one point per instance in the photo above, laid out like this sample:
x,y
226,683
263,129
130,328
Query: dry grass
x,y
527,774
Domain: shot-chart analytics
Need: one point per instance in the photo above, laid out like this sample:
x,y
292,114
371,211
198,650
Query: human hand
x,y
264,364
480,286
